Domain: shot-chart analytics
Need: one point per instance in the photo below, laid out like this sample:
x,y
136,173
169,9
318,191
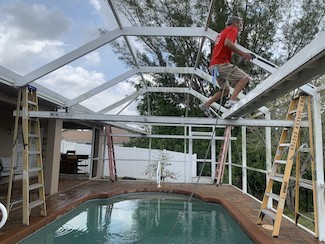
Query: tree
x,y
164,161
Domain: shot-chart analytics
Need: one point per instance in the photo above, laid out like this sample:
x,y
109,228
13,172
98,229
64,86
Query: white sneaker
x,y
205,110
229,103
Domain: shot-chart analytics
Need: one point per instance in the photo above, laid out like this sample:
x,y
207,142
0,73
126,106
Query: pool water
x,y
143,218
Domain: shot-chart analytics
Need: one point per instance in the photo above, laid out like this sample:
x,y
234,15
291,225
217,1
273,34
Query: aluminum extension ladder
x,y
287,152
33,195
220,168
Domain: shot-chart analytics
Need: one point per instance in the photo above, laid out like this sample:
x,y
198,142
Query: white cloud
x,y
72,81
34,34
29,30
92,58
95,4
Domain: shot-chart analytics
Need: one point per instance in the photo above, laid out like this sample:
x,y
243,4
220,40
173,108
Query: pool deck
x,y
73,192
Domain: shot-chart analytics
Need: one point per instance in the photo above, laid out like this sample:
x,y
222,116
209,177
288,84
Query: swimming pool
x,y
143,218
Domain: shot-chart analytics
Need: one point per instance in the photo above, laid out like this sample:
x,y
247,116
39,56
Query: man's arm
x,y
232,47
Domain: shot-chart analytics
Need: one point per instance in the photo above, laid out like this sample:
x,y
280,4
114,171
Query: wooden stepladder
x,y
220,168
111,154
33,195
287,152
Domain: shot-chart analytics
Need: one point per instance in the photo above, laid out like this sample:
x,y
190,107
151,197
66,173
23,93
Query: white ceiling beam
x,y
207,137
103,40
121,102
177,121
7,77
108,37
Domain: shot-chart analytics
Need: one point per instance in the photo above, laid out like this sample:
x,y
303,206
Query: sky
x,y
34,33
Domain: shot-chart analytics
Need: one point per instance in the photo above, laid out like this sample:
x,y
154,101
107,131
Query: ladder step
x,y
306,184
269,213
284,145
280,161
36,203
35,186
273,196
278,178
36,169
32,103
33,136
305,150
292,111
34,152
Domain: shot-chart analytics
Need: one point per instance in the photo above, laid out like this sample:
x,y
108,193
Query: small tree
x,y
165,161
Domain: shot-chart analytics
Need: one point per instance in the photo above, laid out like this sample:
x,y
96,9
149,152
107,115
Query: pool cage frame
x,y
306,65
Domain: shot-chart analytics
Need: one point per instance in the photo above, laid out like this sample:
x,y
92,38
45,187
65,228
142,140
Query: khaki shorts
x,y
229,72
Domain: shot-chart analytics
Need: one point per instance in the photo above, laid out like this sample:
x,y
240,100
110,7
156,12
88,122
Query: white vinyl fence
x,y
133,162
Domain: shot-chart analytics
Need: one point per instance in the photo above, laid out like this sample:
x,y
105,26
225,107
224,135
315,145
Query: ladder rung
x,y
33,136
280,161
293,111
36,203
34,119
306,217
35,186
269,213
36,169
32,103
273,196
34,152
284,145
306,184
278,178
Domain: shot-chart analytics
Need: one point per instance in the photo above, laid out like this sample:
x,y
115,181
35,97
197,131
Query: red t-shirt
x,y
222,54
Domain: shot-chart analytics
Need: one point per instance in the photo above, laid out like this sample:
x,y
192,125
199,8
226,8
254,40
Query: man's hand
x,y
247,56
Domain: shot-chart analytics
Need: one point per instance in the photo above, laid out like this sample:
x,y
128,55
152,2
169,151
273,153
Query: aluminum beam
x,y
172,121
130,73
306,65
106,38
112,35
121,102
219,138
7,77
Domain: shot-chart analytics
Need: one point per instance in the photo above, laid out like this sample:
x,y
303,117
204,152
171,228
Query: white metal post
x,y
185,154
213,157
190,152
244,159
229,162
319,166
268,154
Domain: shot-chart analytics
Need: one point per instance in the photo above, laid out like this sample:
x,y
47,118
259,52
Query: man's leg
x,y
238,88
217,96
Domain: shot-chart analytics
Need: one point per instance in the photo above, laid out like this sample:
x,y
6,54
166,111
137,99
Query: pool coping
x,y
36,222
